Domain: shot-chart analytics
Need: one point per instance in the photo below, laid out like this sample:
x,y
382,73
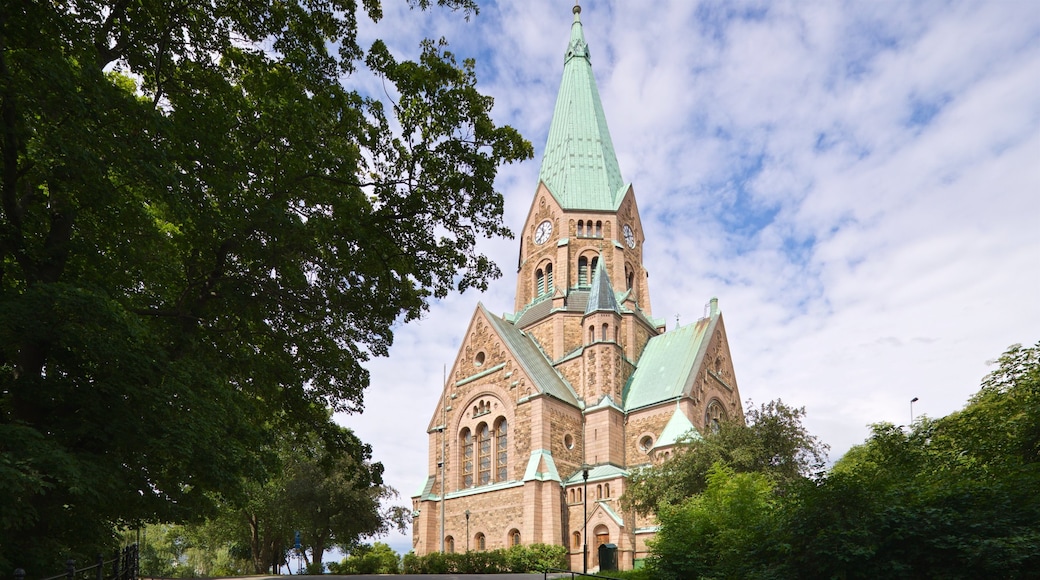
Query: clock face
x,y
541,235
630,238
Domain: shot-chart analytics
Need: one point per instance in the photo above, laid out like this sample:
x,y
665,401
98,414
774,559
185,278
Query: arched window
x,y
603,334
629,277
576,540
485,454
514,537
592,267
467,458
481,542
579,494
581,229
548,278
583,271
588,229
539,281
714,415
599,229
502,447
592,334
599,492
606,490
449,545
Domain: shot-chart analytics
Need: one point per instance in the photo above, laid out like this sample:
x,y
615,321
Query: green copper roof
x,y
677,426
579,165
601,297
666,366
545,378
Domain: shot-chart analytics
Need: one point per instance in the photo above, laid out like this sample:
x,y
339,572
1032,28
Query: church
x,y
548,409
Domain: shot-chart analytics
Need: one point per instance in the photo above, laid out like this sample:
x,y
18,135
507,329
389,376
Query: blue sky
x,y
858,183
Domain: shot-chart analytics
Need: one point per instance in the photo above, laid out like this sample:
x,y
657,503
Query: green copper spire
x,y
579,166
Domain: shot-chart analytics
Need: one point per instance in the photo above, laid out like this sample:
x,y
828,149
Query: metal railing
x,y
124,566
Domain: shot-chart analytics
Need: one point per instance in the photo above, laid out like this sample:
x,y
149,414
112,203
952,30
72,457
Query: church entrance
x,y
602,537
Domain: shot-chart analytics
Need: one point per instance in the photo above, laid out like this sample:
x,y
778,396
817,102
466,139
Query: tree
x,y
204,235
947,498
772,441
711,534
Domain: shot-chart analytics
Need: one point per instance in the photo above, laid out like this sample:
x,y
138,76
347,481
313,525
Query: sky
x,y
857,182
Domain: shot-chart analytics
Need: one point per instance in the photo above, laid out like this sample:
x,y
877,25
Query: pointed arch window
x,y
502,450
549,278
592,271
539,282
583,271
481,542
467,458
484,459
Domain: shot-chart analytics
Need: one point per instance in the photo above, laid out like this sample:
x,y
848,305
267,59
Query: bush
x,y
376,559
518,559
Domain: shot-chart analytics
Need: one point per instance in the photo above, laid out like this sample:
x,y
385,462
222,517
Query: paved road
x,y
407,576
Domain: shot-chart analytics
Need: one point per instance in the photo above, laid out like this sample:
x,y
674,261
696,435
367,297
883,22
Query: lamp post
x,y
912,401
467,530
585,523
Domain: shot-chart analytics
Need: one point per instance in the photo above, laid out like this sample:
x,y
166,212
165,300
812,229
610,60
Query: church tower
x,y
548,408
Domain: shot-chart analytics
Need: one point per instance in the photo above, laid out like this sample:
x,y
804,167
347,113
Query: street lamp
x,y
912,401
467,530
585,524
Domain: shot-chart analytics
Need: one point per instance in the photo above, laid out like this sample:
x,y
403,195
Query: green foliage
x,y
771,441
378,558
710,534
204,234
517,559
947,498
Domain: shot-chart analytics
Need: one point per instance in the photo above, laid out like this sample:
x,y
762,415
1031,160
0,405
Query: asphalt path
x,y
407,576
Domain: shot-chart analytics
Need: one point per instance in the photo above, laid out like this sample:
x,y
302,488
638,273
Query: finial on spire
x,y
576,10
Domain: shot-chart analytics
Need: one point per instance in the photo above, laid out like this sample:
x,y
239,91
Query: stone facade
x,y
547,411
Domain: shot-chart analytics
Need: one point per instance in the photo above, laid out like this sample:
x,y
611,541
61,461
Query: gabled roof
x,y
677,426
579,166
665,368
532,360
601,297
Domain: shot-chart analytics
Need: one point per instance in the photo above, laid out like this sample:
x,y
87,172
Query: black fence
x,y
124,566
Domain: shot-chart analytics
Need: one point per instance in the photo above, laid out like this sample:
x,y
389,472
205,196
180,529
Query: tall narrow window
x,y
549,278
481,542
599,229
606,490
629,277
514,537
583,271
502,446
604,335
449,545
592,271
581,229
467,458
599,492
576,540
539,279
592,334
485,454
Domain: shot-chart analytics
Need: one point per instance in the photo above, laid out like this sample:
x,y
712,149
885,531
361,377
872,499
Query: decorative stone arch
x,y
513,538
714,414
493,409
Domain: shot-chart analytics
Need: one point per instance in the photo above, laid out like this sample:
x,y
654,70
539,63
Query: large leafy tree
x,y
204,232
771,441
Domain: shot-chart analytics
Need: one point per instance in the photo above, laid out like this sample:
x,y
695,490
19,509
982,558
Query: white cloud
x,y
859,184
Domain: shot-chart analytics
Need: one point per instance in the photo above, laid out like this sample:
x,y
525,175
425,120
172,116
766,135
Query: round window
x,y
479,359
646,444
568,441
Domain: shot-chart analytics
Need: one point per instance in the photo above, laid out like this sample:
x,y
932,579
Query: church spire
x,y
601,297
579,165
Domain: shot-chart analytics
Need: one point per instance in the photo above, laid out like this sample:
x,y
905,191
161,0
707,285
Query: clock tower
x,y
548,409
